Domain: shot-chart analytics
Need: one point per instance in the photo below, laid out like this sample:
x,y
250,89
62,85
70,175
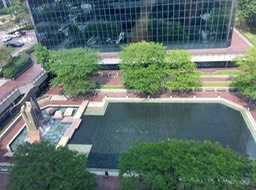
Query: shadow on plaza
x,y
250,103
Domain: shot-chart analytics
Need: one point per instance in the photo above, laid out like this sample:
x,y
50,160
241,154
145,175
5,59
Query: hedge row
x,y
17,65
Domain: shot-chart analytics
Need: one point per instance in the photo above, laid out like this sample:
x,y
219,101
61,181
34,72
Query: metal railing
x,y
9,94
21,86
217,53
116,55
5,166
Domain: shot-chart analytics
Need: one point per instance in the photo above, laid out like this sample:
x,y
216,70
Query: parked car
x,y
16,34
23,33
16,44
7,38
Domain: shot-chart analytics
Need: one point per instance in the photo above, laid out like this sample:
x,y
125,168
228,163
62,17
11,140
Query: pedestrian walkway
x,y
2,81
25,78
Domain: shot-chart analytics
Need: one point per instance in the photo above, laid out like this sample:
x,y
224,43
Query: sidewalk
x,y
24,78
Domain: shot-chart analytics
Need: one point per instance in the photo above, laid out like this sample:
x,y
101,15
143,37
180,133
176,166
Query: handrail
x,y
115,55
20,86
217,53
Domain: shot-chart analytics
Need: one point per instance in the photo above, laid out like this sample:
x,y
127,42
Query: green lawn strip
x,y
226,72
222,72
251,37
5,16
217,84
112,87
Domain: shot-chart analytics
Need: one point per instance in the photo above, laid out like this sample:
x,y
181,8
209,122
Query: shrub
x,y
4,11
28,27
17,65
29,50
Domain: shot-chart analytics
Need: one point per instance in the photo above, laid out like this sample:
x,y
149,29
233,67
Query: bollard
x,y
106,174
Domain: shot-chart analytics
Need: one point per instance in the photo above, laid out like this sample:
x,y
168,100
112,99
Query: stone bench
x,y
81,109
58,115
67,120
68,112
63,142
209,89
70,131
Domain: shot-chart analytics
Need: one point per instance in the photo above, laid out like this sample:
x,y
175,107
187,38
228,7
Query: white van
x,y
7,38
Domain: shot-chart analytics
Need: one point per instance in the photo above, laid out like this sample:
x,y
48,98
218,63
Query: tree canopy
x,y
148,68
143,66
5,55
20,12
184,165
74,69
245,82
71,68
43,56
247,15
183,75
42,166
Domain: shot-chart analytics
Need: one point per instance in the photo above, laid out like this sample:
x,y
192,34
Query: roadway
x,y
29,39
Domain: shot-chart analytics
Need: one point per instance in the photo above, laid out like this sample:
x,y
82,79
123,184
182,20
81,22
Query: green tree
x,y
5,55
182,74
20,11
184,165
245,82
143,66
43,56
74,69
246,15
42,166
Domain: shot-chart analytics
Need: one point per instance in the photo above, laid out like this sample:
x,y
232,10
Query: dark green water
x,y
126,123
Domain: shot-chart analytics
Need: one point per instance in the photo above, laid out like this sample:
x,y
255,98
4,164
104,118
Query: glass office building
x,y
109,24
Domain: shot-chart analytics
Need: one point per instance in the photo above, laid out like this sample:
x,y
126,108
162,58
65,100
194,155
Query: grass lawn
x,y
112,87
5,16
222,72
205,84
251,37
217,84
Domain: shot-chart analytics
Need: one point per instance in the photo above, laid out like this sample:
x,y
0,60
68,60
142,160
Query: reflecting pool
x,y
124,124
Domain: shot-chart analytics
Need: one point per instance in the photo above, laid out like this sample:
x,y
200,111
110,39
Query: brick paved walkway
x,y
26,77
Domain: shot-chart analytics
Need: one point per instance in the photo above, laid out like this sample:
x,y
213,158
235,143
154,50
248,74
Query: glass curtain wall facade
x,y
109,24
